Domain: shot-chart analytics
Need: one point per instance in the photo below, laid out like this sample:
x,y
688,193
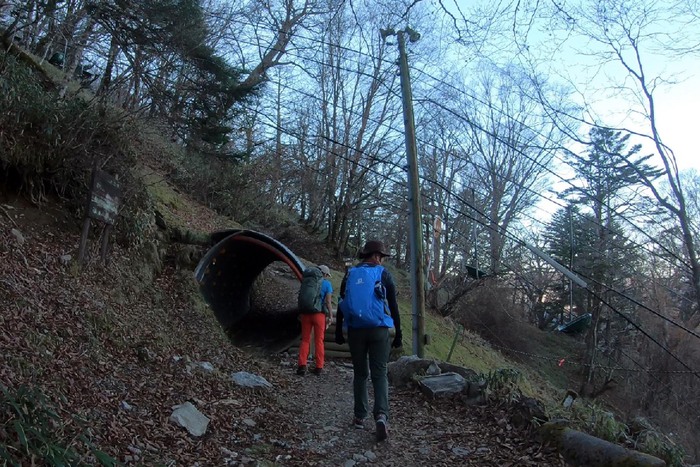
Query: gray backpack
x,y
309,299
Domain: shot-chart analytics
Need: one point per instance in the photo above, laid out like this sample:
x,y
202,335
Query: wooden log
x,y
581,449
104,248
338,347
333,350
329,353
327,345
83,241
337,354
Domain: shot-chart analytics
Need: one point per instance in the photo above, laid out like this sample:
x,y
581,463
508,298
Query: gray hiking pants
x,y
369,349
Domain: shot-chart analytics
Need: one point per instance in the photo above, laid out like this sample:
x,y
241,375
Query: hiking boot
x,y
301,371
317,371
382,427
358,423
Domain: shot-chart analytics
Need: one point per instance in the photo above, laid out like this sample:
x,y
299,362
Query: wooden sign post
x,y
103,205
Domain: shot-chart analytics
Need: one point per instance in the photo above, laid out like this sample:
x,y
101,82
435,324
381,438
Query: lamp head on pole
x,y
387,32
413,35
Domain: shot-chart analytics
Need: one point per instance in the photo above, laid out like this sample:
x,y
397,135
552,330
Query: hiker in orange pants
x,y
318,322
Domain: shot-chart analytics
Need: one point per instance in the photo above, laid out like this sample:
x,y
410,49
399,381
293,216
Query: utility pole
x,y
474,235
571,260
415,232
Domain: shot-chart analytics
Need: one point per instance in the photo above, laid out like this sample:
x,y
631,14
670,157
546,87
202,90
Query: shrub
x,y
502,384
490,311
234,188
659,445
32,430
49,145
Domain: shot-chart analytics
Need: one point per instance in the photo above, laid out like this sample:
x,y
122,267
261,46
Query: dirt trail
x,y
421,432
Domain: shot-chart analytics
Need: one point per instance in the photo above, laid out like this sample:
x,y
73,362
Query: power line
x,y
489,225
641,305
442,82
633,225
441,186
424,178
639,328
500,230
558,359
504,231
482,129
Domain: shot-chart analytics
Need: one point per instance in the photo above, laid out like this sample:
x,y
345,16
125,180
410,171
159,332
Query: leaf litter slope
x,y
114,349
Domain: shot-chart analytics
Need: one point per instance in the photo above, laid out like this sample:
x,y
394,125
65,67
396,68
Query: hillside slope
x,y
93,362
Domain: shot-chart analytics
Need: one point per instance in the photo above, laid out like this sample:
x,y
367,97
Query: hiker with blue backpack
x,y
369,309
315,304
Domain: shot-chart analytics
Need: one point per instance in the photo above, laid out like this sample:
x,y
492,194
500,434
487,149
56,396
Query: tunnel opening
x,y
250,281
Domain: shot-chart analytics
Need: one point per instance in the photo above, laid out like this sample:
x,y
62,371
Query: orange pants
x,y
317,322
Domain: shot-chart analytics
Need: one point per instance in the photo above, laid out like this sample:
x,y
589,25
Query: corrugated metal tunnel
x,y
250,281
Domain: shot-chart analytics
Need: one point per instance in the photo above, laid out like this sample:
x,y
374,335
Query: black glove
x,y
396,343
339,339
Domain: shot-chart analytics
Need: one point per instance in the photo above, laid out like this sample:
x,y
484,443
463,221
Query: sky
x,y
678,120
676,105
574,56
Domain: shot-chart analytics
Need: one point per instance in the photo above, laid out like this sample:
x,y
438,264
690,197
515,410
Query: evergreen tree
x,y
174,70
605,176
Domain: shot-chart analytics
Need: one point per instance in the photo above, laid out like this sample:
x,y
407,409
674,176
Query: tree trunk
x,y
106,81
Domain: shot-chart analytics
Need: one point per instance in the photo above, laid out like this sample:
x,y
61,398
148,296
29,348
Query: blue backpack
x,y
364,304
